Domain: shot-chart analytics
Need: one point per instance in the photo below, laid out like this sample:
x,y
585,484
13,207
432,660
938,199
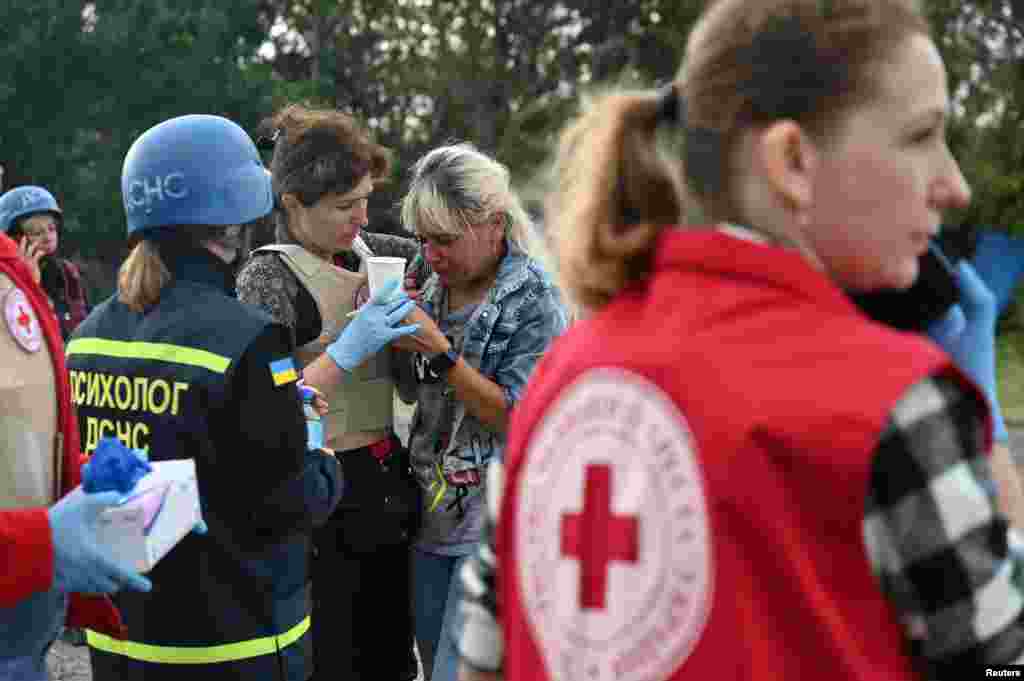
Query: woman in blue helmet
x,y
175,365
31,216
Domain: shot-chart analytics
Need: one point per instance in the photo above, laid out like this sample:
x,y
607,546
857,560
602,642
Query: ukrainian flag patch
x,y
283,371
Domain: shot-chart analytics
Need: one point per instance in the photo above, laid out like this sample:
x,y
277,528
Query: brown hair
x,y
321,151
614,192
755,62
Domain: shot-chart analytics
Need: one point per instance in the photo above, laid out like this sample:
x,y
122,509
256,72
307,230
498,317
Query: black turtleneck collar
x,y
200,266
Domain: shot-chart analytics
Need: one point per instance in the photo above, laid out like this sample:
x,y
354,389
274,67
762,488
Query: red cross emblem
x,y
21,322
611,468
596,537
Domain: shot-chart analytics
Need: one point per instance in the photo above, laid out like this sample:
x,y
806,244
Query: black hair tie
x,y
268,142
702,146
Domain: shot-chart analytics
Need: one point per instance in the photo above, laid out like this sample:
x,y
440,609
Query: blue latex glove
x,y
972,343
115,467
950,326
373,327
79,564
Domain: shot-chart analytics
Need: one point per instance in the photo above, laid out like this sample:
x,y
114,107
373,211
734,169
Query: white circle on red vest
x,y
21,321
612,533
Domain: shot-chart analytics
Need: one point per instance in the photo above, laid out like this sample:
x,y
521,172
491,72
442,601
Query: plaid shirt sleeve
x,y
481,646
936,539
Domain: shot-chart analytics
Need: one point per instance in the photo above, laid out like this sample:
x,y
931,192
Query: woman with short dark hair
x,y
324,168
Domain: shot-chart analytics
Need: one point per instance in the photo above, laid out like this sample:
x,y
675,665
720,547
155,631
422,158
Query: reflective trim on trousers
x,y
227,652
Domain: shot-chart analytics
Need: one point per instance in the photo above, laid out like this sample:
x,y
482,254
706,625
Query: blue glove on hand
x,y
972,342
373,327
79,564
950,326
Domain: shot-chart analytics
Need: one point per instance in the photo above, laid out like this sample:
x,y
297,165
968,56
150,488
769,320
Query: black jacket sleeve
x,y
279,488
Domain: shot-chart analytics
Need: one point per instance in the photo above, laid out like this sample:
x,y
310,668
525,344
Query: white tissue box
x,y
160,510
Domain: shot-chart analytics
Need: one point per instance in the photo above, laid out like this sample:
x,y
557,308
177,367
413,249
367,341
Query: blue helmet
x,y
27,200
194,170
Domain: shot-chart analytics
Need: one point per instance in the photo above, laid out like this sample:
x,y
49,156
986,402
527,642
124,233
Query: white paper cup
x,y
381,270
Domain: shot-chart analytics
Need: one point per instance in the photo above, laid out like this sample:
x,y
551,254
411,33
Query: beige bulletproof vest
x,y
30,456
362,406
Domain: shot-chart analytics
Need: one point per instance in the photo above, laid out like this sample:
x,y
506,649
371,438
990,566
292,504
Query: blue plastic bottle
x,y
314,424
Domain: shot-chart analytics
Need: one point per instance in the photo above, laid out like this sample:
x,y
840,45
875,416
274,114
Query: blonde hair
x,y
618,185
457,186
145,272
142,277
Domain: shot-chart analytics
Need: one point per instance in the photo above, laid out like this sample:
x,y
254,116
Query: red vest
x,y
686,479
94,611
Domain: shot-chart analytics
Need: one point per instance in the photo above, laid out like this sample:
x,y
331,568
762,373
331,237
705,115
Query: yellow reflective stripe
x,y
227,652
441,490
163,352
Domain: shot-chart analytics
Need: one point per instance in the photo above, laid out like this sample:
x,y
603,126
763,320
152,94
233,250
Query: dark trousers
x,y
362,597
362,619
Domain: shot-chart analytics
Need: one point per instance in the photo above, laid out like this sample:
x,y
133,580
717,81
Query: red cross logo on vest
x,y
597,537
613,550
21,321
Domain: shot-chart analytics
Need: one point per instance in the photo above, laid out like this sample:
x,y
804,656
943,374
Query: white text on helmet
x,y
32,197
146,191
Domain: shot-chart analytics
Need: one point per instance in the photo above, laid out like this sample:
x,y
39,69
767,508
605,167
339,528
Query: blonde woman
x,y
487,314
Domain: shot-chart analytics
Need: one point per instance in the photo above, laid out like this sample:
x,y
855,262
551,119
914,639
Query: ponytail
x,y
142,277
614,193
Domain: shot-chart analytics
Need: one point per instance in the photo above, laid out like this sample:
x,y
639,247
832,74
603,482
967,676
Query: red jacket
x,y
686,479
26,550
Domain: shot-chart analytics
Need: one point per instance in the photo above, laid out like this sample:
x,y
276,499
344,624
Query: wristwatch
x,y
441,363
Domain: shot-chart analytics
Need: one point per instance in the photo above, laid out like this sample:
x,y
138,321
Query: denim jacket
x,y
504,338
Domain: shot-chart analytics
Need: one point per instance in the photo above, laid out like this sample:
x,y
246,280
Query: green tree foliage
x,y
82,80
501,73
982,44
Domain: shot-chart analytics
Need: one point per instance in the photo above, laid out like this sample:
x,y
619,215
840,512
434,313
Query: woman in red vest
x,y
53,572
728,471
